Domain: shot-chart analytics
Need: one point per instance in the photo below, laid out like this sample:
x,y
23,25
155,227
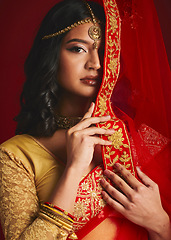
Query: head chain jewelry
x,y
94,31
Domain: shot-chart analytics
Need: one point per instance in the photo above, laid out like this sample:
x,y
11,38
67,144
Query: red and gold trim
x,y
89,203
120,150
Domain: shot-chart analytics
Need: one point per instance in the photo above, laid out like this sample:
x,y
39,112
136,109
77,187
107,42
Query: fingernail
x,y
103,193
112,130
116,164
106,171
108,116
138,168
102,181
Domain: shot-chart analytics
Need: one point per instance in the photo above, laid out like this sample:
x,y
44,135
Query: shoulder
x,y
18,150
20,145
17,141
25,151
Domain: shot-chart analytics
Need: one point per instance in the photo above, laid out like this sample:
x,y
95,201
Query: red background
x,y
19,21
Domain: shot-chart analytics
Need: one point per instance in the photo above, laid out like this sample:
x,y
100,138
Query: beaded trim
x,y
87,20
94,31
66,122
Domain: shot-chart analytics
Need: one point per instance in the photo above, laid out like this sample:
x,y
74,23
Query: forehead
x,y
80,32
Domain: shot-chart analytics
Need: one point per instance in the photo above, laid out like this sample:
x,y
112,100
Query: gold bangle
x,y
60,225
43,206
55,216
57,219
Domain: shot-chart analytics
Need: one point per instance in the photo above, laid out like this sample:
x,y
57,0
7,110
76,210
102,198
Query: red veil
x,y
135,91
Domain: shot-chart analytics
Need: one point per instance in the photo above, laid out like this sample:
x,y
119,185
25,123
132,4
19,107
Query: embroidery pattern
x,y
89,201
152,139
120,150
19,202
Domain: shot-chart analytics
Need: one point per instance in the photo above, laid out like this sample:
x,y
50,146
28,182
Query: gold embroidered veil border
x,y
120,150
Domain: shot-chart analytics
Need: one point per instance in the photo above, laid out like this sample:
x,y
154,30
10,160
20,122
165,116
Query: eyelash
x,y
76,49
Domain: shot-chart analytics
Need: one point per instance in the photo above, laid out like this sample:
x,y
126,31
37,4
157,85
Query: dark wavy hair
x,y
40,91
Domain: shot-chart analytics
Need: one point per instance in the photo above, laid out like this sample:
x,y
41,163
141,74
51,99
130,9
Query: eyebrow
x,y
77,40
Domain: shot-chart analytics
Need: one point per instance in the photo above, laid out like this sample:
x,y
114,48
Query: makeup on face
x,y
80,66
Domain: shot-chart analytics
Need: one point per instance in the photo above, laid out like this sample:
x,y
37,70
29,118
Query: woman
x,y
48,163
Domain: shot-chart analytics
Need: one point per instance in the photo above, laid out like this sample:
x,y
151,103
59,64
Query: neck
x,y
73,106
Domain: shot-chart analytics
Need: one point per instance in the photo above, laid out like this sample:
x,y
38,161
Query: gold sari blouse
x,y
28,175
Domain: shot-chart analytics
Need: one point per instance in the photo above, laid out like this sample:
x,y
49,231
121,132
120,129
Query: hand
x,y
138,202
82,139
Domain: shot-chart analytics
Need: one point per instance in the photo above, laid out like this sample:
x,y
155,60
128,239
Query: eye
x,y
77,49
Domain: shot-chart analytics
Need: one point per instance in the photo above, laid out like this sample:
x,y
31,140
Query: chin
x,y
90,94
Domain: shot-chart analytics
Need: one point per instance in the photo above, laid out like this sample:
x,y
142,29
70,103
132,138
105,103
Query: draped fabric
x,y
145,66
136,70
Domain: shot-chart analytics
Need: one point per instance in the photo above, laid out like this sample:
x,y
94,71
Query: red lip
x,y
90,80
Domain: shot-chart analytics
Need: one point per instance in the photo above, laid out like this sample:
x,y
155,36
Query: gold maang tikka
x,y
94,31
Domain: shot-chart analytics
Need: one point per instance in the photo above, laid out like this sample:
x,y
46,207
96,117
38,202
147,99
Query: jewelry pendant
x,y
94,33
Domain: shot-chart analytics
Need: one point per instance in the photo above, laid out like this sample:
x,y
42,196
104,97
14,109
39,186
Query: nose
x,y
93,61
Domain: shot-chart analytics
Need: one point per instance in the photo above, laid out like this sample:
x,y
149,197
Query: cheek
x,y
70,68
64,69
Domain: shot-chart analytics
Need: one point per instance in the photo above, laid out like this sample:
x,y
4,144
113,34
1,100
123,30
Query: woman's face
x,y
80,70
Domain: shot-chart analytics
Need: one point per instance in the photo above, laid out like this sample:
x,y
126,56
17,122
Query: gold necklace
x,y
66,122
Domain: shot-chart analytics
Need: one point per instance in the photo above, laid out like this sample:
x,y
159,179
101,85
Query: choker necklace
x,y
66,122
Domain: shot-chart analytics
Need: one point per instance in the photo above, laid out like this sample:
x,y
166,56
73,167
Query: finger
x,y
120,183
95,130
114,204
100,141
145,179
114,193
127,176
89,113
90,121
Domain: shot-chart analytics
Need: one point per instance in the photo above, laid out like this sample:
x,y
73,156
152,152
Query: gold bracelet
x,y
44,206
54,216
59,218
54,221
51,213
71,235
